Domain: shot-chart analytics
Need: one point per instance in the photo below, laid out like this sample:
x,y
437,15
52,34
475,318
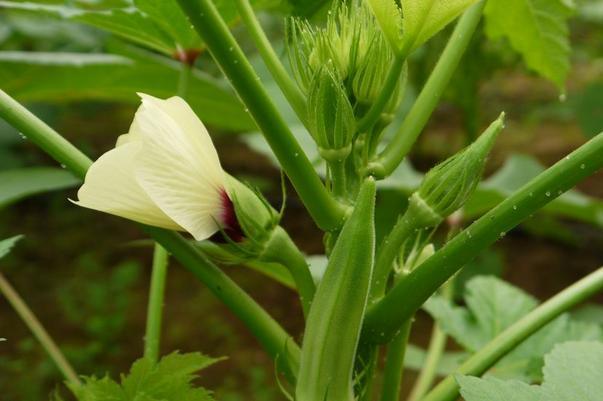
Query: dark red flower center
x,y
230,224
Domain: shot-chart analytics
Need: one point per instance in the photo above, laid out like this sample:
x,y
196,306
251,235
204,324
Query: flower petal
x,y
110,186
178,166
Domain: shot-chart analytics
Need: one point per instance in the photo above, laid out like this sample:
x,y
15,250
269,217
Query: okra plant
x,y
345,77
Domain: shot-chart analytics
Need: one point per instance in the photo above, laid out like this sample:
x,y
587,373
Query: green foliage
x,y
492,306
168,380
572,371
588,107
538,30
425,18
416,357
389,16
76,76
21,183
7,244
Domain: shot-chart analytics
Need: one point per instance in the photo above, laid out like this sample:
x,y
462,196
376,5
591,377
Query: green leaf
x,y
77,76
21,183
94,389
492,389
168,380
538,30
424,18
128,23
416,357
588,107
7,244
169,17
492,306
572,371
389,17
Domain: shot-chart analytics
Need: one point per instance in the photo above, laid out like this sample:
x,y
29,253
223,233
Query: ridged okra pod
x,y
335,317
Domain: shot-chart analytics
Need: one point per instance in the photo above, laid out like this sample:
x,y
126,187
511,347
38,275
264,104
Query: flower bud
x,y
447,186
371,74
332,122
343,42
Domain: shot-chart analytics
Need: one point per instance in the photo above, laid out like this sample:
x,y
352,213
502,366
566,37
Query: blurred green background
x,y
86,274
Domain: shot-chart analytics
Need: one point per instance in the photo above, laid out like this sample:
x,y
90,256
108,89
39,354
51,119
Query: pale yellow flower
x,y
164,172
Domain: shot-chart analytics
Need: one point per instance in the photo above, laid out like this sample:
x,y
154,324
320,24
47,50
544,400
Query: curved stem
x,y
430,95
272,61
38,331
282,250
389,86
385,317
506,341
155,307
324,209
394,364
270,334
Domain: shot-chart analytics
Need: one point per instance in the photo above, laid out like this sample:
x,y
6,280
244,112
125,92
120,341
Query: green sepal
x,y
332,123
447,186
253,212
333,325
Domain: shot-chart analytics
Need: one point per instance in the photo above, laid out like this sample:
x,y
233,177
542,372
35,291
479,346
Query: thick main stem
x,y
385,317
272,61
325,210
506,341
38,331
430,95
155,307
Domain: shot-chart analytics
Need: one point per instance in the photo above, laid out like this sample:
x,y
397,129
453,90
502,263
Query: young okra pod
x,y
335,318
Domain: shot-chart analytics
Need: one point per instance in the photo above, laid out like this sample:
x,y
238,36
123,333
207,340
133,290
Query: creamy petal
x,y
178,166
110,186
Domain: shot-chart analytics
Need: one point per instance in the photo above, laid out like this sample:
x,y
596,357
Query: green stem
x,y
437,345
391,81
339,178
385,317
282,250
270,334
155,307
430,95
43,136
38,331
185,74
388,252
272,61
324,209
394,364
506,341
266,330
